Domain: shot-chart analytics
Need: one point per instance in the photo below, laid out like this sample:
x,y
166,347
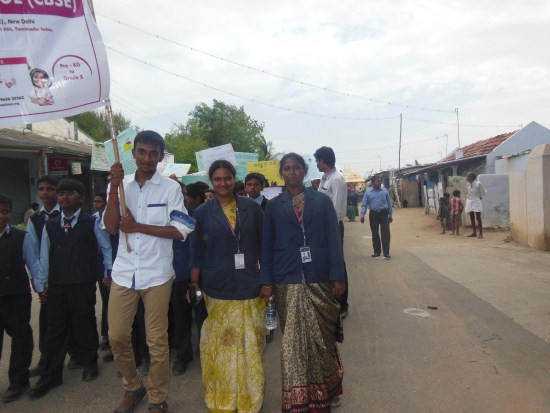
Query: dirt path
x,y
449,325
512,277
483,351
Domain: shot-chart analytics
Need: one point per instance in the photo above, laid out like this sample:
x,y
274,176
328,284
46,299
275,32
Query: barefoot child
x,y
456,211
444,211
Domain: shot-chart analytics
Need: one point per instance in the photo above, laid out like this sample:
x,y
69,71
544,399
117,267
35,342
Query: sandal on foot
x,y
130,401
158,407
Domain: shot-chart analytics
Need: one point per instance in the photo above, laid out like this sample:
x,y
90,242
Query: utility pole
x,y
400,132
457,127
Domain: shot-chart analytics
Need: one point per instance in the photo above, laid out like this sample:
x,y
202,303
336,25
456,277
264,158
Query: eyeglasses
x,y
67,193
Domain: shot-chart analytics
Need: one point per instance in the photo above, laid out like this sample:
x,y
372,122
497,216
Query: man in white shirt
x,y
474,206
156,215
334,185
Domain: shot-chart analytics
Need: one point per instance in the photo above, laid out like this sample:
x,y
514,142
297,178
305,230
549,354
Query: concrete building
x,y
29,152
492,159
511,155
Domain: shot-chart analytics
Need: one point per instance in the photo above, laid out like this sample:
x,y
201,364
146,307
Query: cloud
x,y
486,58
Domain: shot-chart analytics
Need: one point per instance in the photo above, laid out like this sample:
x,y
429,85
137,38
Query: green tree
x,y
96,124
266,150
183,141
216,125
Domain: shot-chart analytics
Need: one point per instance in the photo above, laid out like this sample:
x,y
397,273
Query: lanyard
x,y
301,222
236,234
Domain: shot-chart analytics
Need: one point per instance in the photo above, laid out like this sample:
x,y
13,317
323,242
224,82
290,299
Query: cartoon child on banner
x,y
41,82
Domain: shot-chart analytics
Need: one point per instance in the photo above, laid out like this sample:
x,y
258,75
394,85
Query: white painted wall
x,y
527,137
529,192
496,203
57,129
510,165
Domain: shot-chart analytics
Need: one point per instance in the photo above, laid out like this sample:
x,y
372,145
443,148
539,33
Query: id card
x,y
239,261
305,252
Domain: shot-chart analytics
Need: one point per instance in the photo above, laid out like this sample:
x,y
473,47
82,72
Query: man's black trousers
x,y
380,226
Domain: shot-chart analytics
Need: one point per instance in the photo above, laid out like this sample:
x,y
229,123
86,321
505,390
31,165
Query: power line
x,y
303,83
265,72
137,110
462,124
319,115
147,108
135,95
387,147
387,160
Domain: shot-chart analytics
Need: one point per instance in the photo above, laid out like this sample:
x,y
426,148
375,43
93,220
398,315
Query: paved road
x,y
484,349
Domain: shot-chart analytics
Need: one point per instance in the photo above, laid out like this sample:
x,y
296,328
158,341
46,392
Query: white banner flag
x,y
52,60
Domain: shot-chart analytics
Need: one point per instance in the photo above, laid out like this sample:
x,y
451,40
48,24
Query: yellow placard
x,y
269,169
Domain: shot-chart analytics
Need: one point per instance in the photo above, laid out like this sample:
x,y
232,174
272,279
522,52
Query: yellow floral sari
x,y
232,342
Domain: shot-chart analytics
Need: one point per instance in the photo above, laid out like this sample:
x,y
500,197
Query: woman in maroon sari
x,y
302,267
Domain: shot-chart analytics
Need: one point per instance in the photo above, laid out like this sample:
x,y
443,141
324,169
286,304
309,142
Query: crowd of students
x,y
160,254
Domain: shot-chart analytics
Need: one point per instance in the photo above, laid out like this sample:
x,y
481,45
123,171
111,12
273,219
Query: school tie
x,y
67,225
46,217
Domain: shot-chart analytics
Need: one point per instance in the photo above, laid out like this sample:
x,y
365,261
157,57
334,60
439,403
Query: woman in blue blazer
x,y
302,267
225,254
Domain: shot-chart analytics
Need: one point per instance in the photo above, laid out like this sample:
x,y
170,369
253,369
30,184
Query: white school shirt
x,y
103,242
149,264
334,185
31,230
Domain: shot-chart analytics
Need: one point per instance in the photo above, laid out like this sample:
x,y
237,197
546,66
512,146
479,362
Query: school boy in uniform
x,y
254,184
67,282
45,188
15,300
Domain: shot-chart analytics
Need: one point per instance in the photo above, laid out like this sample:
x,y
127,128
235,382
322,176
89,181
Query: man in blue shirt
x,y
377,201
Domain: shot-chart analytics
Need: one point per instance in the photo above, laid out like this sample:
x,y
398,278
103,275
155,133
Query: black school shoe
x,y
90,372
44,385
14,392
179,367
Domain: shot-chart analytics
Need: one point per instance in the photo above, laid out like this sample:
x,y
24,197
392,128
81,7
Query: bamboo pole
x,y
121,196
115,145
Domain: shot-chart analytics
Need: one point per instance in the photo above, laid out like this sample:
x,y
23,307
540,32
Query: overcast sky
x,y
362,64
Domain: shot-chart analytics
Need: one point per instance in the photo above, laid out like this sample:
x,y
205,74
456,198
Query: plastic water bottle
x,y
270,315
